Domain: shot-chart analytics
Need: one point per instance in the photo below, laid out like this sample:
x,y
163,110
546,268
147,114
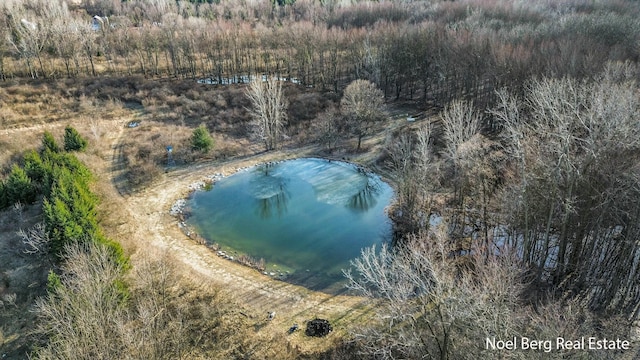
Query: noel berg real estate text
x,y
559,343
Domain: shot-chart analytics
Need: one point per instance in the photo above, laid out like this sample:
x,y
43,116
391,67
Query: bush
x,y
117,255
201,140
53,282
73,141
318,328
141,173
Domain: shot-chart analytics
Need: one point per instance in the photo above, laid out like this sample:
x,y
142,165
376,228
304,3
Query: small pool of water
x,y
306,217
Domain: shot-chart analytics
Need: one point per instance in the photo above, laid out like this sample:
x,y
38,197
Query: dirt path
x,y
156,228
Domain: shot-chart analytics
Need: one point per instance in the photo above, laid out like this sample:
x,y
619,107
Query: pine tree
x,y
3,196
201,140
19,187
34,167
73,141
49,143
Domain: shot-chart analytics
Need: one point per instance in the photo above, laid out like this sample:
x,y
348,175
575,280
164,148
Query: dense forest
x,y
428,51
517,206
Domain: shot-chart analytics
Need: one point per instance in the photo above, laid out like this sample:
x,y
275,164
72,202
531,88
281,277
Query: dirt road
x,y
156,229
150,227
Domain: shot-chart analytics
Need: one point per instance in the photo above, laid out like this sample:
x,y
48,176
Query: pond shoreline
x,y
179,210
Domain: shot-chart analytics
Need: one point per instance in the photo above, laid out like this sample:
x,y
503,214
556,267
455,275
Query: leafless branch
x,y
35,239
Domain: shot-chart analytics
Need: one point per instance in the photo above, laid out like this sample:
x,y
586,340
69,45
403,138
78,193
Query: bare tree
x,y
363,106
67,39
156,326
27,37
80,317
62,31
576,145
327,129
412,161
91,314
4,45
435,306
468,152
89,43
268,109
35,239
460,121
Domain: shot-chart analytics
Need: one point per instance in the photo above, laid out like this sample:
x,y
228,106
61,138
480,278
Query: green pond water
x,y
306,217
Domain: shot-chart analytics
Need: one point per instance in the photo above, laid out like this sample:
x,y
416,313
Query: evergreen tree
x,y
19,187
49,143
3,196
34,167
73,141
60,225
201,140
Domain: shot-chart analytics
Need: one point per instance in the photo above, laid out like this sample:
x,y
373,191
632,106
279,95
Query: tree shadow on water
x,y
276,204
364,199
270,192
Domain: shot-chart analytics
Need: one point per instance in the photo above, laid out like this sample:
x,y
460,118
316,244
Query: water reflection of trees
x,y
365,199
270,192
276,204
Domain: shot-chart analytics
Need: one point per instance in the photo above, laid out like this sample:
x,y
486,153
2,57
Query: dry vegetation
x,y
531,162
125,160
23,279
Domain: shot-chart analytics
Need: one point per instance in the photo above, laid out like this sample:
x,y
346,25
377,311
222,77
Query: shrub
x,y
201,140
142,172
73,141
117,255
53,282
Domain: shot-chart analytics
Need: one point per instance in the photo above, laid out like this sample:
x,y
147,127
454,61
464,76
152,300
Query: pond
x,y
306,217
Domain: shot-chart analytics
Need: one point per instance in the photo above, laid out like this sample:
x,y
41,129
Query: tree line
x,y
427,52
551,199
530,230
